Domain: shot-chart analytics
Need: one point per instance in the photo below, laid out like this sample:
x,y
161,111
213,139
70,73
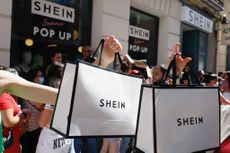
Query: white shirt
x,y
51,142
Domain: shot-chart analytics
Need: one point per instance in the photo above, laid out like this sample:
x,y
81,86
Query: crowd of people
x,y
27,105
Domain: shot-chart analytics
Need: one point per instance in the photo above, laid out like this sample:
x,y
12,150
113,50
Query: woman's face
x,y
38,78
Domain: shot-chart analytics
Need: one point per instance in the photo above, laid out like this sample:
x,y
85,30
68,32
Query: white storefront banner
x,y
181,120
53,10
93,101
138,32
196,19
225,35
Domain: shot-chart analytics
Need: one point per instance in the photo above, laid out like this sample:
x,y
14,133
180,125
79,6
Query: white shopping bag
x,y
93,101
178,120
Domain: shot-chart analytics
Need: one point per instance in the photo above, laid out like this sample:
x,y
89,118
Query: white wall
x,y
110,17
5,31
221,52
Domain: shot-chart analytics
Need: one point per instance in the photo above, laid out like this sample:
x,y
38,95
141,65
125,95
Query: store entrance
x,y
39,32
195,45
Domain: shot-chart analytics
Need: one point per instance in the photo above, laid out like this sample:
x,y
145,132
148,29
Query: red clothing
x,y
7,102
224,147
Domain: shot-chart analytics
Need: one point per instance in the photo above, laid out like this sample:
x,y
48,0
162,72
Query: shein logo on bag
x,y
186,121
112,104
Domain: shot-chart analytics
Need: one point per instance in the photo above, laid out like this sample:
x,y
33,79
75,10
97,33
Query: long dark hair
x,y
32,74
54,75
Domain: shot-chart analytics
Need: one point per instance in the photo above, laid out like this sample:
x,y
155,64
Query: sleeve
x,y
5,102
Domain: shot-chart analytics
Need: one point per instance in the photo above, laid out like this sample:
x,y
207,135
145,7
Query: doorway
x,y
195,45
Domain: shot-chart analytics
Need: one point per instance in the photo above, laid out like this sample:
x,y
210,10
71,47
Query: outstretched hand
x,y
180,62
111,45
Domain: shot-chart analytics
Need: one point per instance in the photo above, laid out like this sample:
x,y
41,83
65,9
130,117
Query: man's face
x,y
57,58
157,75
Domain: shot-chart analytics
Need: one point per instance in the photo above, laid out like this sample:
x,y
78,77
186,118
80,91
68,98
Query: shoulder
x,y
6,97
6,101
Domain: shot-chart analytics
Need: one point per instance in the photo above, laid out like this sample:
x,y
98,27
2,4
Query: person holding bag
x,y
50,141
44,94
28,90
32,91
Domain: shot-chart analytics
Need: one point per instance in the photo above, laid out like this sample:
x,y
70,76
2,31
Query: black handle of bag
x,y
115,62
123,66
134,149
117,55
101,43
172,65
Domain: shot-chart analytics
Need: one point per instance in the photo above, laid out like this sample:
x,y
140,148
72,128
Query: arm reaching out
x,y
180,62
18,86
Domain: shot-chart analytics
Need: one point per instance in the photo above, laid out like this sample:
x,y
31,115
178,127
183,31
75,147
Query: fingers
x,y
187,59
112,44
116,47
181,63
169,81
109,41
176,48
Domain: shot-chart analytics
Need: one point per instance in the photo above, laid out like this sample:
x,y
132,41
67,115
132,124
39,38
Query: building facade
x,y
147,30
113,17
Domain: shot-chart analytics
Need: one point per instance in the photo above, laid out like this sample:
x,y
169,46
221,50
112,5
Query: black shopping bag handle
x,y
101,43
172,66
133,149
123,66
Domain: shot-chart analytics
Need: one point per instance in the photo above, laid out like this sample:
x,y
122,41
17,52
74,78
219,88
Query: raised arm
x,y
180,62
111,46
18,86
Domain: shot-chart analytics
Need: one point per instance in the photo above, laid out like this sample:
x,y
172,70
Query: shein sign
x,y
194,18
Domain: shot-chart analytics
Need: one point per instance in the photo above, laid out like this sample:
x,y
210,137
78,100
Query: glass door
x,y
143,37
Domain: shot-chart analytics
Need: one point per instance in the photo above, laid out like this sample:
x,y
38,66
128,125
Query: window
x,y
202,50
143,37
46,24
